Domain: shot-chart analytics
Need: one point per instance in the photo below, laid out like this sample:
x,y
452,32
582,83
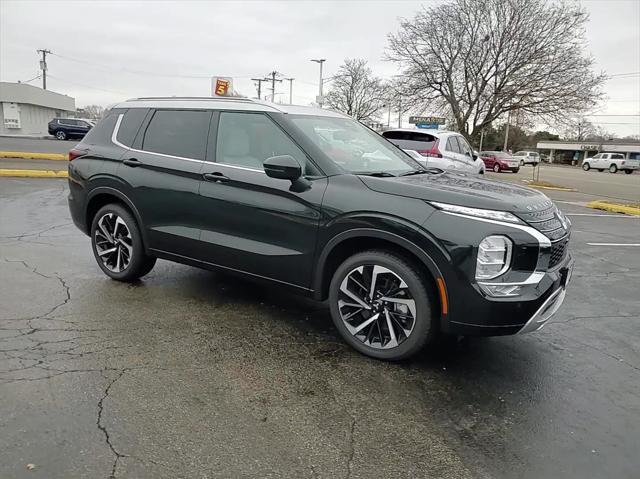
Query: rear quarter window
x,y
101,133
130,124
181,133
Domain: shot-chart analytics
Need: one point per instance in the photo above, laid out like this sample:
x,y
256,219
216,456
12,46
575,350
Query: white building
x,y
26,109
574,152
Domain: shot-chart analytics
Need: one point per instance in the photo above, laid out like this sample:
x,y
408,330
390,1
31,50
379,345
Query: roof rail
x,y
195,98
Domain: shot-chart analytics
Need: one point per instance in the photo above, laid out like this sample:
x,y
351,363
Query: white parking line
x,y
613,244
605,215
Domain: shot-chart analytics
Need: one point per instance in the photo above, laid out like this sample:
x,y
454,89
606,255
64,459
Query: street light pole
x,y
320,61
506,132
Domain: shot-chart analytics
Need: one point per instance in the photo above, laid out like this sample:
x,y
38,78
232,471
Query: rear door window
x,y
409,140
181,133
453,145
618,156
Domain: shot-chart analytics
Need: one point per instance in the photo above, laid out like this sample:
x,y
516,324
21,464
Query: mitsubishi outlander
x,y
314,201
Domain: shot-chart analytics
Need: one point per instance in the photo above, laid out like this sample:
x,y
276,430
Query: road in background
x,y
36,145
592,183
189,373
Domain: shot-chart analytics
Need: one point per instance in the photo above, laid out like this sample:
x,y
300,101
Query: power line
x,y
87,86
112,68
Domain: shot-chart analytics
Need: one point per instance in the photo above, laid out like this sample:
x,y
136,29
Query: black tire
x,y
61,135
521,162
496,168
613,169
586,166
139,262
424,326
628,172
600,170
516,170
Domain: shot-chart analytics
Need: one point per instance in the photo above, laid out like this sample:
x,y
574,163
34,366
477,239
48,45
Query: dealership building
x,y
574,152
26,109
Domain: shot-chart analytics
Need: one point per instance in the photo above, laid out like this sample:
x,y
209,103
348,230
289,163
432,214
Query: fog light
x,y
499,290
494,257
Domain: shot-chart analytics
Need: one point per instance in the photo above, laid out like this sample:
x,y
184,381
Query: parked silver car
x,y
527,157
433,148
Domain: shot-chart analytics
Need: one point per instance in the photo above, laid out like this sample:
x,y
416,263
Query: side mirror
x,y
283,167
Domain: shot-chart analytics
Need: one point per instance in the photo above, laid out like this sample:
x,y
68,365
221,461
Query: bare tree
x,y
355,91
579,129
93,111
479,59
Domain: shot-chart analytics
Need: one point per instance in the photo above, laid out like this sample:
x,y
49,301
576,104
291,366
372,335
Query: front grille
x,y
558,252
547,222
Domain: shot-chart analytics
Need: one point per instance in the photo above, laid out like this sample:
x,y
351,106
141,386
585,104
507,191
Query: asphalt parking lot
x,y
201,375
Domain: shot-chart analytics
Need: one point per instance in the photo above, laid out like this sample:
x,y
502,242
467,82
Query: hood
x,y
464,190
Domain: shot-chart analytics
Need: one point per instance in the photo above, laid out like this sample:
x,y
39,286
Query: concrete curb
x,y
551,188
33,173
614,207
34,156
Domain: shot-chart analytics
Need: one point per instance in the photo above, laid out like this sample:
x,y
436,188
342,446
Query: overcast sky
x,y
109,51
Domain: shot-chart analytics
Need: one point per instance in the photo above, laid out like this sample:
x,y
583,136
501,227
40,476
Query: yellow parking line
x,y
34,156
614,207
33,173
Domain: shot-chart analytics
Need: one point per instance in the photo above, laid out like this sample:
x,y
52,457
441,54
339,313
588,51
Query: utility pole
x,y
259,80
481,140
290,80
43,66
320,61
273,85
389,116
506,132
399,111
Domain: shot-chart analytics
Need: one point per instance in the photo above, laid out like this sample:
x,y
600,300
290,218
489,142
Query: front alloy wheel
x,y
380,305
61,135
496,168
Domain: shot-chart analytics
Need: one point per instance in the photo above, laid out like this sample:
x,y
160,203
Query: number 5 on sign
x,y
222,86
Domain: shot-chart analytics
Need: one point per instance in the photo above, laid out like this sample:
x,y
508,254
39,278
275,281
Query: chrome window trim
x,y
114,139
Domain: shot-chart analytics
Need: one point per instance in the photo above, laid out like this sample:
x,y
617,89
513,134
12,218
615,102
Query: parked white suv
x,y
612,162
527,157
440,149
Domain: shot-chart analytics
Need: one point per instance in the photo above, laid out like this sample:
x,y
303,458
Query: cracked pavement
x,y
195,374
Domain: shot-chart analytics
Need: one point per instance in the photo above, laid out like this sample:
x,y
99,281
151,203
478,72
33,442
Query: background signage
x,y
438,120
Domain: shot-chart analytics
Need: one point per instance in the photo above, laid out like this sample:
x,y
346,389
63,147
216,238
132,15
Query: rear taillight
x,y
75,153
433,152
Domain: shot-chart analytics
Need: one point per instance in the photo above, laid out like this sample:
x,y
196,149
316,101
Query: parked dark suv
x,y
312,200
64,128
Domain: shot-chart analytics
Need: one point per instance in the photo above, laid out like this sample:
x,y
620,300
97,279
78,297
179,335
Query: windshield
x,y
353,146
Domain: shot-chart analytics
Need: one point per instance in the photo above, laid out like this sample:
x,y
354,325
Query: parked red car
x,y
499,161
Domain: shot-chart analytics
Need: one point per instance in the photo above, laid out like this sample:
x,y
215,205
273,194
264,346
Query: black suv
x,y
313,200
63,128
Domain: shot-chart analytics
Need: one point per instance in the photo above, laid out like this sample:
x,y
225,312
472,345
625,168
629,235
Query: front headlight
x,y
494,257
478,212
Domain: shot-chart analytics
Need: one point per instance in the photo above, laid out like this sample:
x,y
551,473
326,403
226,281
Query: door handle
x,y
216,177
132,162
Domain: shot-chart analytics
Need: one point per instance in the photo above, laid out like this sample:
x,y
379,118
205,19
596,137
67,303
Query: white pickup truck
x,y
612,162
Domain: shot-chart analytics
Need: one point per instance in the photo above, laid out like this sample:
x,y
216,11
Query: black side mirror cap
x,y
283,167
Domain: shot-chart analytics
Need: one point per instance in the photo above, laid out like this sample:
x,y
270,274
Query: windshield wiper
x,y
377,174
430,171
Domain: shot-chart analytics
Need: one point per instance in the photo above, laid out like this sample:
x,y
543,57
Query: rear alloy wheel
x,y
117,244
61,135
613,169
586,166
380,305
496,168
628,172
